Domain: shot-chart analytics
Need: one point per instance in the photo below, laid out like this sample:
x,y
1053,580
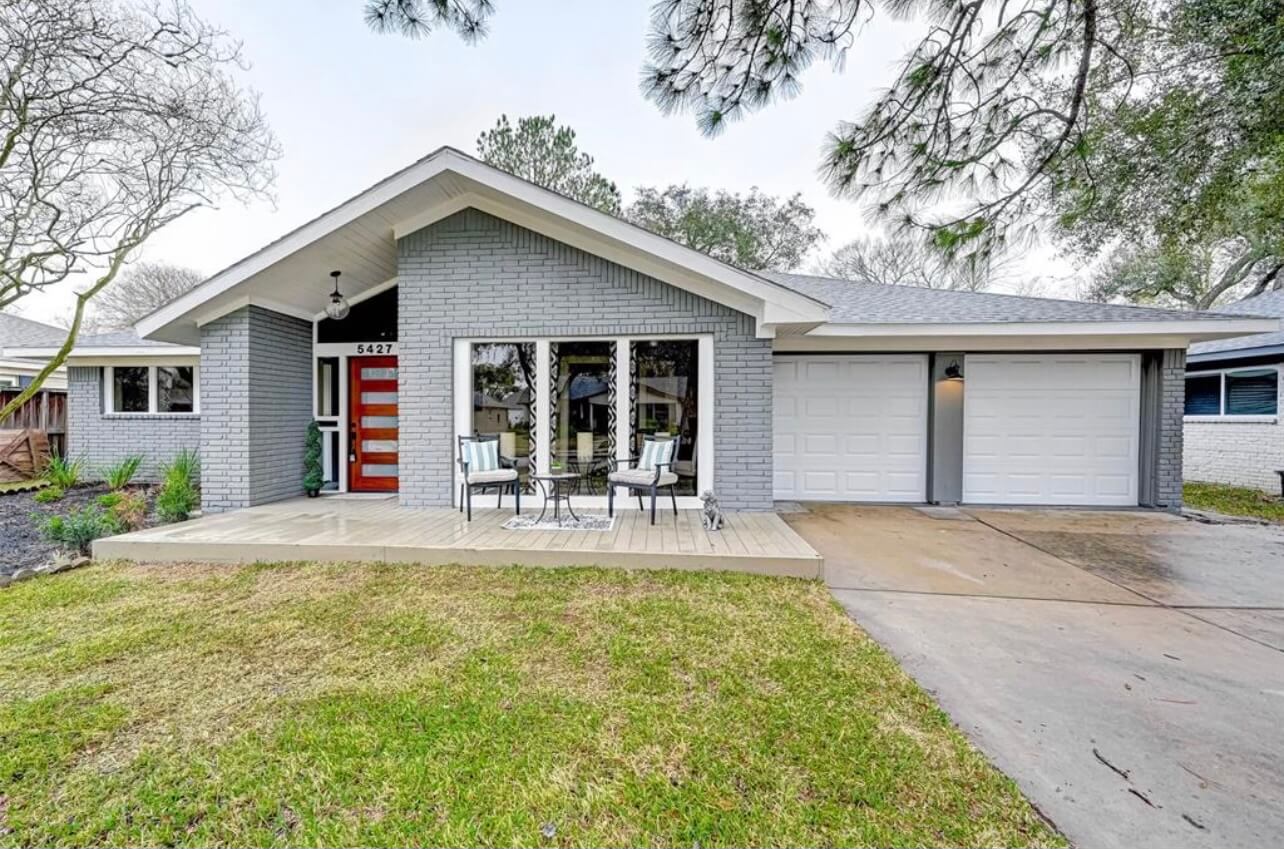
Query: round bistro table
x,y
557,489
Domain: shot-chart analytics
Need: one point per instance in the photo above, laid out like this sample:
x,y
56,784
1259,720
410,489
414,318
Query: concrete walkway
x,y
1125,668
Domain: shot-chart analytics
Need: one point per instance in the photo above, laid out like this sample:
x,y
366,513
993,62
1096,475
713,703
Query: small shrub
x,y
176,501
77,530
49,495
119,475
178,495
64,473
129,511
312,470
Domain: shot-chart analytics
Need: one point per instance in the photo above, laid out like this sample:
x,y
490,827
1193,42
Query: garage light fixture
x,y
338,308
954,371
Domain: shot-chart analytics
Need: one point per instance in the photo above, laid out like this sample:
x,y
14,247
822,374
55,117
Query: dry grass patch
x,y
311,704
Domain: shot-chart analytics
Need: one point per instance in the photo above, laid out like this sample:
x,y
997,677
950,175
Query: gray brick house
x,y
1233,432
471,301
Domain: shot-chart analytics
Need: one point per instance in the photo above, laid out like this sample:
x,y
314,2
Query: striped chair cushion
x,y
481,456
656,452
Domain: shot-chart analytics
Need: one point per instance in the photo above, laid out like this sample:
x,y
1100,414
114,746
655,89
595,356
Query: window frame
x,y
1221,415
153,391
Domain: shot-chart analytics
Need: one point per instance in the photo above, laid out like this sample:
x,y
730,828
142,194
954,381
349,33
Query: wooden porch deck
x,y
337,528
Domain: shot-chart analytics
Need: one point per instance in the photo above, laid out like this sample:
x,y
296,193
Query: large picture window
x,y
583,406
154,390
582,413
1233,392
664,393
503,403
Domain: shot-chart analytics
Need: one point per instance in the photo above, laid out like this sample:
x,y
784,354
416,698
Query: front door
x,y
372,434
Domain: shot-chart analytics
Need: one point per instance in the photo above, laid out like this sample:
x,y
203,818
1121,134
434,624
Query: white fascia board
x,y
235,304
781,305
1192,330
121,353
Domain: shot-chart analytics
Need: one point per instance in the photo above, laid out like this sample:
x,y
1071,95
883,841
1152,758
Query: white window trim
x,y
1222,415
463,413
153,392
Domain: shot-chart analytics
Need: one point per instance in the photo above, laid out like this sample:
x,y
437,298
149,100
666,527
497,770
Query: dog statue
x,y
711,515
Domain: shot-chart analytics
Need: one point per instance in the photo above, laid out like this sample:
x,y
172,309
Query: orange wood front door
x,y
372,434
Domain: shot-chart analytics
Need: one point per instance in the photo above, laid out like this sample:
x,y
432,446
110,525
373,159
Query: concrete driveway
x,y
1125,668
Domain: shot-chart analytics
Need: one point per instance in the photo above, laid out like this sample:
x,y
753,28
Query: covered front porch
x,y
379,529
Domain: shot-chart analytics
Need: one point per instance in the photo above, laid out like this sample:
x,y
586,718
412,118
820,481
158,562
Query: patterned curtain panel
x,y
610,406
526,362
554,384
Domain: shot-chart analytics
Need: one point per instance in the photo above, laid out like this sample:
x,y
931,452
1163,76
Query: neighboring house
x,y
19,332
1233,431
785,386
128,395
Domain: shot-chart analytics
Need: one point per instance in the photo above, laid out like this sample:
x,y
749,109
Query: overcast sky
x,y
351,107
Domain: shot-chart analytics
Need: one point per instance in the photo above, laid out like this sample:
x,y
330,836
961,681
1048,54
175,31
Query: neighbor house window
x,y
167,390
1233,392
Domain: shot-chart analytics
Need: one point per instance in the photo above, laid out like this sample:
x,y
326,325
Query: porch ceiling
x,y
360,236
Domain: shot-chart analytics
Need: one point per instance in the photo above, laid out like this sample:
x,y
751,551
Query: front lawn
x,y
1233,501
302,704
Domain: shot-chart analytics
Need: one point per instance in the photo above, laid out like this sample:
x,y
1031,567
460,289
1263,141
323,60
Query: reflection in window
x,y
503,403
175,389
1203,395
1252,392
328,387
582,413
129,389
664,396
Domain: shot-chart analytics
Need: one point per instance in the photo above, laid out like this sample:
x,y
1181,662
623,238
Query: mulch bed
x,y
20,519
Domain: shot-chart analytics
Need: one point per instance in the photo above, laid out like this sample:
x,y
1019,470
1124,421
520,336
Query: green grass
x,y
300,704
1233,501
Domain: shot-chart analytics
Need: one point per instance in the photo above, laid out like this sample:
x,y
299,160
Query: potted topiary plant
x,y
312,479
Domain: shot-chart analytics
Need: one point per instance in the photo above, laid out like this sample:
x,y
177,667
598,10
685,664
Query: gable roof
x,y
16,331
360,236
115,344
861,307
1267,303
853,301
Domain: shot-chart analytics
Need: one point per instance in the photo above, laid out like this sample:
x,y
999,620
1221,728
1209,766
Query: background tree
x,y
1097,119
905,262
115,120
141,289
1185,276
752,231
546,154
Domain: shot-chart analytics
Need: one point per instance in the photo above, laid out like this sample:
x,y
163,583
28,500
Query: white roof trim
x,y
1194,328
779,303
107,352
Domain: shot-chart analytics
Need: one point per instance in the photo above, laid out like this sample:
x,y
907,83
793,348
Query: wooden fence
x,y
46,411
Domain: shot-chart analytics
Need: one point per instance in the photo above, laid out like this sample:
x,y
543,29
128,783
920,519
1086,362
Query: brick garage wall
x,y
102,440
1235,452
474,275
256,402
1172,405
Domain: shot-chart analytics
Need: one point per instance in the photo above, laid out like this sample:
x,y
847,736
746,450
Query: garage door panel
x,y
1051,429
861,425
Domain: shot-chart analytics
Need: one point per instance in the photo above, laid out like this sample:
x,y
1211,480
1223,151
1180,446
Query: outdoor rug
x,y
566,523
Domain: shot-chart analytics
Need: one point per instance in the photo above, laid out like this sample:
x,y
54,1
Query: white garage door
x,y
1051,429
851,428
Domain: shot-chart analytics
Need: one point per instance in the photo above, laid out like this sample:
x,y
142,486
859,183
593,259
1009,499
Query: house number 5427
x,y
375,348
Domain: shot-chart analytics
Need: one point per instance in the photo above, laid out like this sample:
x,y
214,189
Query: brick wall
x,y
1172,405
1235,452
474,275
102,440
256,402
